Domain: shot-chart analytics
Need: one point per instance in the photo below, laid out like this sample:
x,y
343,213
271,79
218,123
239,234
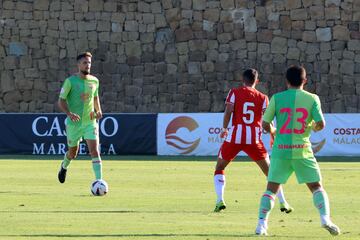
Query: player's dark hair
x,y
250,75
295,75
82,55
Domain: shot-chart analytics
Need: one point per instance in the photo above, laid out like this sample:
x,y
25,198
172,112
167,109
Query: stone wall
x,y
177,55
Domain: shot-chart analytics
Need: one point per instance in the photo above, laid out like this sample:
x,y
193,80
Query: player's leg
x,y
279,172
93,146
227,153
321,202
219,184
92,140
284,205
308,171
267,203
68,156
73,139
259,155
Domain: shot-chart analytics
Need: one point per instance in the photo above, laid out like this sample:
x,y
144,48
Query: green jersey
x,y
79,94
294,110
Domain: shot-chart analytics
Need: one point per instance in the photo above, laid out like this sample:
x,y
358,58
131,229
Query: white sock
x,y
219,183
281,195
325,219
263,222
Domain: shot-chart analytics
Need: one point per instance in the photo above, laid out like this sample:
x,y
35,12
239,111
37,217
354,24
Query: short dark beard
x,y
85,72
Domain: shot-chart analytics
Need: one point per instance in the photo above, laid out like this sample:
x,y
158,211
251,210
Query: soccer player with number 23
x,y
297,112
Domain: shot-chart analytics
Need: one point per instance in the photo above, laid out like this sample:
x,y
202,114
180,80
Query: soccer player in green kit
x,y
79,99
297,112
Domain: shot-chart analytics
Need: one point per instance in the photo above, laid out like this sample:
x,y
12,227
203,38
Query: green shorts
x,y
75,133
306,170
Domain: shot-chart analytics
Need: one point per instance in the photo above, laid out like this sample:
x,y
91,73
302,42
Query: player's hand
x,y
95,115
223,133
315,127
98,115
272,139
73,117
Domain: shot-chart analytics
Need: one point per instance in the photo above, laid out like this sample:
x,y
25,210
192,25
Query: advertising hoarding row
x,y
187,134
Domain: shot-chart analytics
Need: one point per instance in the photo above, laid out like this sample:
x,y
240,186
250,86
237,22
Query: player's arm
x,y
318,126
319,120
265,106
97,107
268,117
229,108
63,104
65,108
268,127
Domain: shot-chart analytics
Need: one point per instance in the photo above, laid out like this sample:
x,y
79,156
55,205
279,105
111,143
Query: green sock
x,y
66,161
96,163
267,202
321,202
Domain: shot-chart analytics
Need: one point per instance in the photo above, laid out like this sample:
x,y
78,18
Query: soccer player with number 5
x,y
246,105
297,112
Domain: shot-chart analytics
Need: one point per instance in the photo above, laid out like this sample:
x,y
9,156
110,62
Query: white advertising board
x,y
341,136
198,134
191,134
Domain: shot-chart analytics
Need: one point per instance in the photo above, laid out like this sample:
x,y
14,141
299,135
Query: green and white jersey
x,y
79,94
294,110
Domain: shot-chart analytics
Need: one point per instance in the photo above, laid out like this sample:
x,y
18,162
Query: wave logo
x,y
175,138
317,146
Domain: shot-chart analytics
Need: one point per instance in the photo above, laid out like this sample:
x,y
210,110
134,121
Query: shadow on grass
x,y
117,158
161,158
160,235
101,211
75,211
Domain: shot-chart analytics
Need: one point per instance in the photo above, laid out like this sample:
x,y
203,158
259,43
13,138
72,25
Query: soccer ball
x,y
99,188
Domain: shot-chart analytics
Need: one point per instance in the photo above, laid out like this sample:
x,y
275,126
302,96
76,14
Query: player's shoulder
x,y
261,94
236,91
283,94
249,91
310,95
72,78
92,77
232,90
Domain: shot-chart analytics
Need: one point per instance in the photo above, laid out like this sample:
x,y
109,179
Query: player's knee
x,y
72,155
220,166
314,186
94,153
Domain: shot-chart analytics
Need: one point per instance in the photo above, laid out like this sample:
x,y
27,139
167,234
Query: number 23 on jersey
x,y
289,117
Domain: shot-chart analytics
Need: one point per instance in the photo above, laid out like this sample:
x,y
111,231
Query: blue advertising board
x,y
44,134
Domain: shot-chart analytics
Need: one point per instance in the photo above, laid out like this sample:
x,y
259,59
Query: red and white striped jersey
x,y
249,106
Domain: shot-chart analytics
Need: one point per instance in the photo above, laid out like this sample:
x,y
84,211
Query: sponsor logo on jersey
x,y
85,97
91,86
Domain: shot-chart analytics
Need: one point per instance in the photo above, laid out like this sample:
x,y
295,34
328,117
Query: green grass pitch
x,y
167,199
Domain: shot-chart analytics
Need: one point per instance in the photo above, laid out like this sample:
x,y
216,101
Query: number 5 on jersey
x,y
250,113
